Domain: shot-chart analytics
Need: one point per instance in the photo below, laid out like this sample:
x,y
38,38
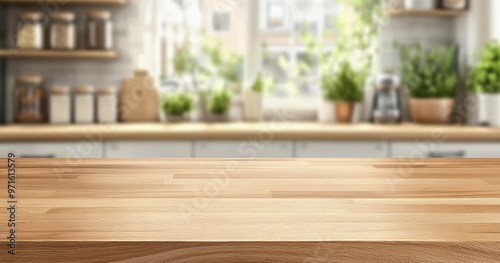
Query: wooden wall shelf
x,y
91,54
68,2
438,12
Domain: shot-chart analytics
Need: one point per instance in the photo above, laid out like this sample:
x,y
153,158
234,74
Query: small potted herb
x,y
253,99
345,89
431,78
484,80
177,107
219,105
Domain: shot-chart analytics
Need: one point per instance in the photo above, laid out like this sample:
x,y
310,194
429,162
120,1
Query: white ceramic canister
x,y
60,105
84,104
420,4
107,103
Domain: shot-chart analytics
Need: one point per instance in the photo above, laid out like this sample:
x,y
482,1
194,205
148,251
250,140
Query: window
x,y
221,21
285,56
268,33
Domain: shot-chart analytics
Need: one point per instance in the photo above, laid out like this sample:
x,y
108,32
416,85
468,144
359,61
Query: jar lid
x,y
59,90
64,16
35,79
84,90
107,90
99,14
30,15
387,81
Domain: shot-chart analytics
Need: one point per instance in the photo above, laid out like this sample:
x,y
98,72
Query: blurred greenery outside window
x,y
285,55
287,32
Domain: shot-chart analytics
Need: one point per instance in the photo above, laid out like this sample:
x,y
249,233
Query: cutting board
x,y
139,99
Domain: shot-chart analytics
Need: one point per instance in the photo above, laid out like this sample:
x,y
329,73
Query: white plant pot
x,y
201,112
489,109
253,106
420,4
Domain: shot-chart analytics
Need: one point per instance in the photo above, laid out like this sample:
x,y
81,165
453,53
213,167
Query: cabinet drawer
x,y
327,149
83,149
243,149
148,149
444,150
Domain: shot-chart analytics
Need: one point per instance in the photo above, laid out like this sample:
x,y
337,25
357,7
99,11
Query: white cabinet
x,y
73,150
444,150
243,149
329,149
148,149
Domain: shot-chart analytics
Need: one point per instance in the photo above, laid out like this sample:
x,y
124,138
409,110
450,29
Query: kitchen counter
x,y
244,131
279,210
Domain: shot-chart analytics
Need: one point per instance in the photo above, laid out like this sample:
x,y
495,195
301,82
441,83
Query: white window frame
x,y
299,104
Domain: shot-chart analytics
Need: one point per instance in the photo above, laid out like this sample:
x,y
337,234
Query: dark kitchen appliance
x,y
386,107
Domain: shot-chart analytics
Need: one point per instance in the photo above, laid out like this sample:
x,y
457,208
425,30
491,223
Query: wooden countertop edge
x,y
293,252
244,131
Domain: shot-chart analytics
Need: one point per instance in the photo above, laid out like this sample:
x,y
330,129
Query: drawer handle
x,y
48,156
445,154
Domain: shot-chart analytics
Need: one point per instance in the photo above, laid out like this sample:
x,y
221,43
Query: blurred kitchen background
x,y
203,78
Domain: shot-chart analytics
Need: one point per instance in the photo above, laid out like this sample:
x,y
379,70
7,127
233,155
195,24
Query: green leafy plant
x,y
184,61
429,73
220,101
225,65
231,69
344,85
177,104
262,84
352,56
485,76
258,85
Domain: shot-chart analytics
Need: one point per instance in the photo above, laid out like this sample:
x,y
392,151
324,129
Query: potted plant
x,y
219,105
432,81
253,99
345,89
484,80
177,107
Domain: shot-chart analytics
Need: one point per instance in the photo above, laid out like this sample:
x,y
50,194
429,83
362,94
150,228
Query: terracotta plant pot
x,y
455,4
432,111
344,111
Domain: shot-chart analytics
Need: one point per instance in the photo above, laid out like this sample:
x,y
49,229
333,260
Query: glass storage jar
x,y
107,104
60,105
30,100
30,31
63,31
99,30
84,104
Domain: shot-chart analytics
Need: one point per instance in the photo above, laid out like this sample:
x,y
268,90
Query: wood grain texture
x,y
67,2
245,131
77,54
273,210
436,12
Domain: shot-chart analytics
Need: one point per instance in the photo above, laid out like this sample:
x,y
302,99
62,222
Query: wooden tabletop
x,y
244,131
230,210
